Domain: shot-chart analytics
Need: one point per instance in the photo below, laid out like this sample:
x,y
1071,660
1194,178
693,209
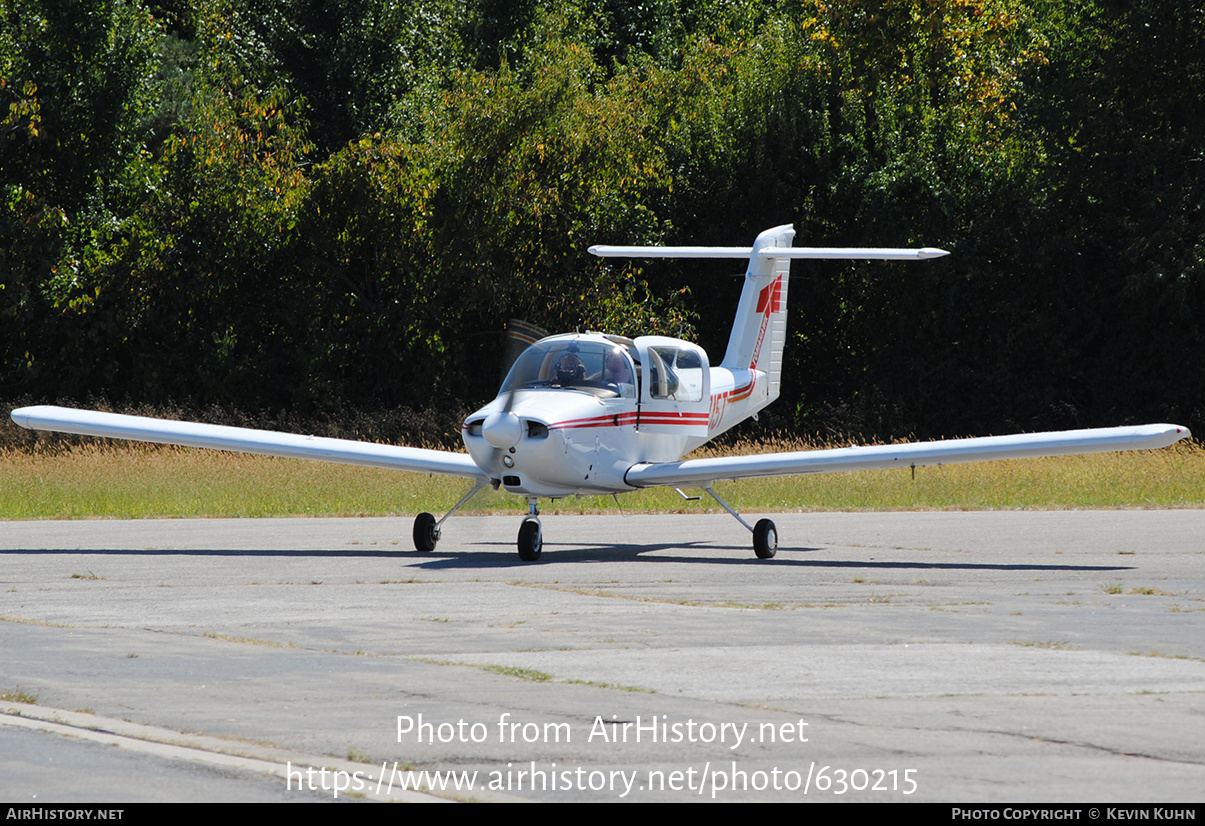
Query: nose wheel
x,y
531,535
531,540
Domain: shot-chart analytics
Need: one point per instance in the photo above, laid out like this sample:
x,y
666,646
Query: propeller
x,y
519,336
502,428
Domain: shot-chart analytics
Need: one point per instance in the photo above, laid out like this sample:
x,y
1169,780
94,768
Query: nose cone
x,y
502,429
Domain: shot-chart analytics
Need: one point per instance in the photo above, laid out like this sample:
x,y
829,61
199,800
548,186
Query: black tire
x,y
425,533
531,540
765,539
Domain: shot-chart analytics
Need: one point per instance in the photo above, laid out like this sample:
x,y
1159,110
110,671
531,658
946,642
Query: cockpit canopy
x,y
586,365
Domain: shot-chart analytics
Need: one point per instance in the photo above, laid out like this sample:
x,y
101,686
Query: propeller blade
x,y
519,336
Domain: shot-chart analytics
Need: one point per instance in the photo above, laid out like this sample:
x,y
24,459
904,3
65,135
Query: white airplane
x,y
590,413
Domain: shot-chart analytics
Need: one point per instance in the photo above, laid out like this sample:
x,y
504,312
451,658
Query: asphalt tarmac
x,y
964,657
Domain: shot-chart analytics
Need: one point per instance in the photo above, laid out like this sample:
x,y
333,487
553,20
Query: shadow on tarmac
x,y
563,552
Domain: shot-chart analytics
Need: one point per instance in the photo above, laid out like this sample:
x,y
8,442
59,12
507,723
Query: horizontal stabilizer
x,y
861,253
246,440
918,454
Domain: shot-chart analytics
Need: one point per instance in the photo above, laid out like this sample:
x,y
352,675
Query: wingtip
x,y
1168,434
931,252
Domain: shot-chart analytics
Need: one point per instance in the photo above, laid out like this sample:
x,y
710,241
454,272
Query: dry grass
x,y
1172,477
132,481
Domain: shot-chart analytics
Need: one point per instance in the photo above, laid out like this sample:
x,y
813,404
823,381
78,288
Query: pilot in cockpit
x,y
618,371
569,370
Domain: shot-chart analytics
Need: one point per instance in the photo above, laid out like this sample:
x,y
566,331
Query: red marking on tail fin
x,y
770,297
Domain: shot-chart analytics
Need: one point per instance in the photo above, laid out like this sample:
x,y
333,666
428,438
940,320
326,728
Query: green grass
x,y
134,481
18,696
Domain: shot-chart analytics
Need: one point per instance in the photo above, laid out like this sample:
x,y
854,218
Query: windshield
x,y
596,367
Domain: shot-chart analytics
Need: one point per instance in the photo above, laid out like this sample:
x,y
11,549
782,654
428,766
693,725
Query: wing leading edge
x,y
246,440
691,472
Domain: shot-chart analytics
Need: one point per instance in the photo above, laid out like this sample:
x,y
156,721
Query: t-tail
x,y
750,375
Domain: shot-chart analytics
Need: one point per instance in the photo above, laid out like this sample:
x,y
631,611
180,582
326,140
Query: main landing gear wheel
x,y
426,534
531,542
765,539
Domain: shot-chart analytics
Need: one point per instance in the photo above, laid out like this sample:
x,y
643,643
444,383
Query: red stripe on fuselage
x,y
673,418
737,394
609,420
743,393
720,401
632,418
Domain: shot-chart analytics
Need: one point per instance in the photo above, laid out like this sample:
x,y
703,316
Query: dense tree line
x,y
322,207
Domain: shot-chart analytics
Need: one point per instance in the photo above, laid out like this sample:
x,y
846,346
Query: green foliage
x,y
75,77
301,206
1124,120
375,324
351,61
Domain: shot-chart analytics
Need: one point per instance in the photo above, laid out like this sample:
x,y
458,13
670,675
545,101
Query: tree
x,y
74,84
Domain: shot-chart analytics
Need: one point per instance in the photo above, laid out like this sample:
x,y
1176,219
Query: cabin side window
x,y
675,373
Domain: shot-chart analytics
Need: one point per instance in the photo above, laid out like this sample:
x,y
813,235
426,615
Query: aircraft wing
x,y
701,472
246,440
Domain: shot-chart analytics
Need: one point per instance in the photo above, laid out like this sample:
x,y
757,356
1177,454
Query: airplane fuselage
x,y
548,437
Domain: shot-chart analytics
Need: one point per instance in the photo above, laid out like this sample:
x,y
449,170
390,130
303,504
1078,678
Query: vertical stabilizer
x,y
759,333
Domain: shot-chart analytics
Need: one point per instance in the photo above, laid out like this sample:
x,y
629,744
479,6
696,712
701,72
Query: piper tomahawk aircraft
x,y
589,413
